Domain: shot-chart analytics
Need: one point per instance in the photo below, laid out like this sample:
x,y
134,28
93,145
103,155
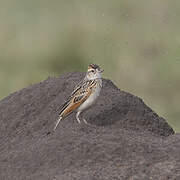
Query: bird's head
x,y
93,72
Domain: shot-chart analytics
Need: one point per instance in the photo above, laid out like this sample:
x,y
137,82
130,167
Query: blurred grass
x,y
137,43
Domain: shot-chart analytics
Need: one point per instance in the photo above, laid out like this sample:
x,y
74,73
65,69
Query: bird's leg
x,y
60,118
85,121
77,116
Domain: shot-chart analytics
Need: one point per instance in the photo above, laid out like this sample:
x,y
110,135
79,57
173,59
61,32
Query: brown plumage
x,y
83,95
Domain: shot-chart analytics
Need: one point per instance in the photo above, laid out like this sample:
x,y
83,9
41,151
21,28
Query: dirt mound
x,y
126,139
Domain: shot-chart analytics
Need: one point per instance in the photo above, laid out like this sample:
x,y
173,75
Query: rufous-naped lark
x,y
84,94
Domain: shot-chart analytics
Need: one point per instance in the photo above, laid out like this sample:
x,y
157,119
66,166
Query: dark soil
x,y
126,139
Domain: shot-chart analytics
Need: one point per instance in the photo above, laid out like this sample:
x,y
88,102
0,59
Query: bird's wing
x,y
78,96
76,89
79,86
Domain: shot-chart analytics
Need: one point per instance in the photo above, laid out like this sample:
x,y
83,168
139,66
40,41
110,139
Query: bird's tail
x,y
58,121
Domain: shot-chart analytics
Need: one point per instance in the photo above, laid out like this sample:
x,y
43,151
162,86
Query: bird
x,y
84,94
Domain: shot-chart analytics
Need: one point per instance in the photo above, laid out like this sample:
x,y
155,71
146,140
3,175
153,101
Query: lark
x,y
84,94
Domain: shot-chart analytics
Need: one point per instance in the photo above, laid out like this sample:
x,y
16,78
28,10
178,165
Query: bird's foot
x,y
78,120
86,122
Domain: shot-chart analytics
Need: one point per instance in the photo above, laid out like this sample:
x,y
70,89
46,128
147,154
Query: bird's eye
x,y
92,71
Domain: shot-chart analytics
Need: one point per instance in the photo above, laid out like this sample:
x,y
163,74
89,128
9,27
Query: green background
x,y
137,43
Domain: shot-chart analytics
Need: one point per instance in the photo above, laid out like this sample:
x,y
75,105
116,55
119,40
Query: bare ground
x,y
126,139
